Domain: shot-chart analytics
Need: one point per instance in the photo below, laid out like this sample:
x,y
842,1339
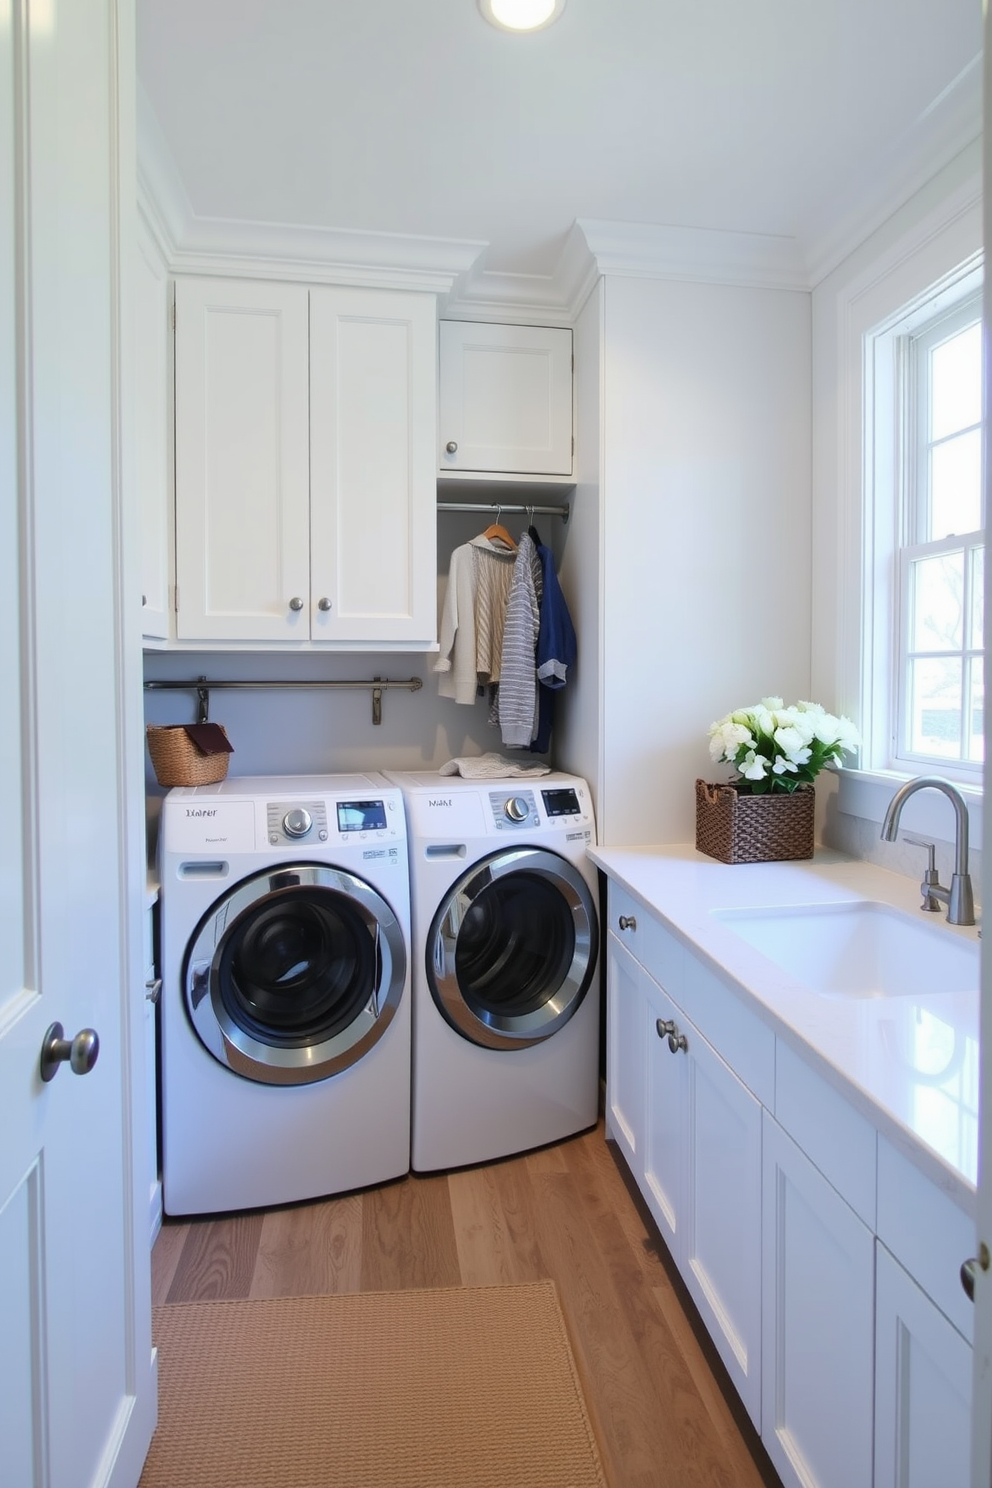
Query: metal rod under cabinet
x,y
202,687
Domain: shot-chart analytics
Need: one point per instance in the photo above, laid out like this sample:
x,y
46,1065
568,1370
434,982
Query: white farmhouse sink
x,y
858,949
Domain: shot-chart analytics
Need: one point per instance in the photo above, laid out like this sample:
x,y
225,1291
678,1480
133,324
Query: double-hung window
x,y
926,666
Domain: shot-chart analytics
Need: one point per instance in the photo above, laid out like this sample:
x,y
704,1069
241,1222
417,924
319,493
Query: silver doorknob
x,y
969,1267
80,1052
627,922
323,604
451,446
296,603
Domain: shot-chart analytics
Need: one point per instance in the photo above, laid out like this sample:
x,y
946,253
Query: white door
x,y
77,1397
242,462
373,491
981,1430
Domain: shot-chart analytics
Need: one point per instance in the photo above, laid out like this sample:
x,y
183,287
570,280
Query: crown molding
x,y
951,127
636,250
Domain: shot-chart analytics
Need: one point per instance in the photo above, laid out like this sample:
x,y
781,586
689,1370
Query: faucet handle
x,y
931,876
931,848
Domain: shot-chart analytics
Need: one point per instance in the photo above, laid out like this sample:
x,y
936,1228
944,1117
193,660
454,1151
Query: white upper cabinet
x,y
242,461
305,486
505,401
372,482
152,445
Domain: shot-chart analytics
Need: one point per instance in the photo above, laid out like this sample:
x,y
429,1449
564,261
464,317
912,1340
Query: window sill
x,y
867,793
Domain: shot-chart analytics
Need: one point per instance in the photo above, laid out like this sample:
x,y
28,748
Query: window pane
x,y
977,638
956,486
976,721
956,372
935,708
937,599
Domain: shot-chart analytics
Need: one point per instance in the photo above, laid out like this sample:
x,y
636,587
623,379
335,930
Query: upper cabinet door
x,y
505,399
242,472
153,414
373,375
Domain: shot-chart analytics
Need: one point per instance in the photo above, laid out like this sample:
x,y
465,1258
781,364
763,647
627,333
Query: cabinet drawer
x,y
927,1232
835,1137
736,1033
646,938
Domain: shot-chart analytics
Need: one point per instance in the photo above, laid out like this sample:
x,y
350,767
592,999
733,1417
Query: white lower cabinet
x,y
922,1387
823,1262
818,1324
691,1132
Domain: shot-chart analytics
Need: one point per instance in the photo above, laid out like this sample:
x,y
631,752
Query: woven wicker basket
x,y
178,761
753,829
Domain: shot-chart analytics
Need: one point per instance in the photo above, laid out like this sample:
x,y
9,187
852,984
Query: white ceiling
x,y
804,120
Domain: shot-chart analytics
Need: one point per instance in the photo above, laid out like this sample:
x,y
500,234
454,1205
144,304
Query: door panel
x,y
78,1396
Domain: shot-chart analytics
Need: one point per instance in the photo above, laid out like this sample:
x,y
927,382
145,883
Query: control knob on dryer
x,y
297,823
516,808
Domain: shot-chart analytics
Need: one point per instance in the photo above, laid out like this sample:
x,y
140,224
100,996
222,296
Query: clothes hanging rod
x,y
202,687
506,508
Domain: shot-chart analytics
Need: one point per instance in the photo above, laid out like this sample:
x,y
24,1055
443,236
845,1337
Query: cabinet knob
x,y
677,1041
665,1025
296,603
324,604
627,922
451,446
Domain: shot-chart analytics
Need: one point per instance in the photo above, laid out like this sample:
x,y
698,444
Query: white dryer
x,y
505,964
285,917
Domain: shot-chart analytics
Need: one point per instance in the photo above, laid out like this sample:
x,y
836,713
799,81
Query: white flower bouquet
x,y
776,749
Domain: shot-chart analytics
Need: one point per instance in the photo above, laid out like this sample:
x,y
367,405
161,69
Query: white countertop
x,y
909,1064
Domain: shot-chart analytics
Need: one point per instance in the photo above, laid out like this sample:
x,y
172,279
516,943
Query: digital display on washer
x,y
561,803
361,816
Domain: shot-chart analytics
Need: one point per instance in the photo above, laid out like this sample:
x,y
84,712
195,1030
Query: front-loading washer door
x,y
512,948
294,974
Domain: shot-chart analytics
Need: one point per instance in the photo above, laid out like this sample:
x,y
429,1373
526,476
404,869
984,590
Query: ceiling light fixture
x,y
521,15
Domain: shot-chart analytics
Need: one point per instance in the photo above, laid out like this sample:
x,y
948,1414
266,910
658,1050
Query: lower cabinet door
x,y
625,1053
664,1108
721,1211
817,1324
922,1387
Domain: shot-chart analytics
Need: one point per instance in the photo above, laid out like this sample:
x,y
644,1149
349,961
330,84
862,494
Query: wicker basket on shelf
x,y
737,828
178,761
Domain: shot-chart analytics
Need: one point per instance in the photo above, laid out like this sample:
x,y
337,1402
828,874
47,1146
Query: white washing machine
x,y
505,964
285,920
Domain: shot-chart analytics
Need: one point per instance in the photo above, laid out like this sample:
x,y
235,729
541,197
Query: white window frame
x,y
891,526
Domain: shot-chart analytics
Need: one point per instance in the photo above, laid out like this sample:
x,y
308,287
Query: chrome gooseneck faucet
x,y
959,898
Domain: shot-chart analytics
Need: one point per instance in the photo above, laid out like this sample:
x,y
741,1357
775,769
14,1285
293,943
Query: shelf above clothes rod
x,y
506,508
202,687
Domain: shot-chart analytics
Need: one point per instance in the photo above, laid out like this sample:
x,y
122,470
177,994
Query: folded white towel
x,y
490,767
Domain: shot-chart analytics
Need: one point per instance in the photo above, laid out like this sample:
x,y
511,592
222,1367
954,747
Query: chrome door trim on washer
x,y
218,985
547,994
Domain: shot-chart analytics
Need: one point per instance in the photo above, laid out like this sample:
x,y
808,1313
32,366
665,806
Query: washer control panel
x,y
296,821
514,808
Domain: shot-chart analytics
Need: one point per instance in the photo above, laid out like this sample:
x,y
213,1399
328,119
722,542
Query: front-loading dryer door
x,y
294,974
512,948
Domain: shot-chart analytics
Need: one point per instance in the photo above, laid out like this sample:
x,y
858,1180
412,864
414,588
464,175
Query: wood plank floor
x,y
665,1414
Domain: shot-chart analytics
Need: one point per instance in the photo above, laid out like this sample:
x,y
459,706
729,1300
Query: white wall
x,y
706,532
935,231
579,712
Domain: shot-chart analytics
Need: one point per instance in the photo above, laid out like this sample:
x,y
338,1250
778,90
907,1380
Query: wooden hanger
x,y
496,531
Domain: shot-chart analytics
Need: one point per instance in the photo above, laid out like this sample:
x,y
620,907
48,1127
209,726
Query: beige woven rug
x,y
452,1387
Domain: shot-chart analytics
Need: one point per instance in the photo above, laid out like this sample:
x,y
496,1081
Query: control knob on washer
x,y
516,808
297,823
